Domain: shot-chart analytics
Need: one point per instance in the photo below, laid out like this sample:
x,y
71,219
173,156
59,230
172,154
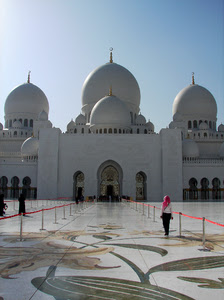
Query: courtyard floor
x,y
111,251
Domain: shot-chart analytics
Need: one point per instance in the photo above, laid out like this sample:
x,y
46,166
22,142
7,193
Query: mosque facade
x,y
110,150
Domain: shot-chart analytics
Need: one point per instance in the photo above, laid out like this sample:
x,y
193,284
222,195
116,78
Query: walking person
x,y
166,214
22,204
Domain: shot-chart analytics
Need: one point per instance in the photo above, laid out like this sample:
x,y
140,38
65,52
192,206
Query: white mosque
x,y
110,150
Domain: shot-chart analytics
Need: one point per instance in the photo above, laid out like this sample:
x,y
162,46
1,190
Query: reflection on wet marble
x,y
111,251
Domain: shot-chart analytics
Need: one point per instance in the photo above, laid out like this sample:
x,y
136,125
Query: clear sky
x,y
161,42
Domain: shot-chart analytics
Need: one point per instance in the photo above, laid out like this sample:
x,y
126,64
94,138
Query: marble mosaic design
x,y
51,253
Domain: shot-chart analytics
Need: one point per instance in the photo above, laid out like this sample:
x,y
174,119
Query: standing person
x,y
22,204
166,214
2,205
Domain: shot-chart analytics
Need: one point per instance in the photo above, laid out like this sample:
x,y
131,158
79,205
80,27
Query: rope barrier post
x,y
136,206
14,205
70,209
55,215
64,218
21,227
42,222
180,223
154,213
143,209
31,203
203,228
148,211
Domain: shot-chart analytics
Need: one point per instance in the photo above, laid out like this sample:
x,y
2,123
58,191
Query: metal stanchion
x,y
148,211
180,223
21,227
136,206
143,209
203,228
42,223
14,205
55,215
64,218
70,209
154,213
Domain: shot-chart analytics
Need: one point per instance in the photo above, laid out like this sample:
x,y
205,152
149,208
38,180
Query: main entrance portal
x,y
109,185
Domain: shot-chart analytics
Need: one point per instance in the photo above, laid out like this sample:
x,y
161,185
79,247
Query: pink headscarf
x,y
166,201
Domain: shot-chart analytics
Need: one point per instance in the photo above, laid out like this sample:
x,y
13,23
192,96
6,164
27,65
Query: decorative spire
x,y
193,78
28,79
110,91
111,56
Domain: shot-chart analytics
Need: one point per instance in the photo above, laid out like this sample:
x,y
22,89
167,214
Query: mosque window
x,y
14,187
25,123
140,186
115,130
82,130
97,131
119,130
189,125
138,131
205,134
31,123
216,191
100,130
145,131
195,125
21,121
15,133
206,121
75,130
110,130
105,130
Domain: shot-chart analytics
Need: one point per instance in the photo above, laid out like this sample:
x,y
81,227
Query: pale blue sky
x,y
160,41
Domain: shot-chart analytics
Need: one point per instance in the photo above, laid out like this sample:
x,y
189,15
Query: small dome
x,y
140,120
71,125
221,128
30,147
17,124
150,125
110,111
190,148
80,120
203,126
221,151
43,116
194,102
124,85
1,126
26,98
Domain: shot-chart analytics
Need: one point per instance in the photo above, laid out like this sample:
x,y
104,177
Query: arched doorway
x,y
78,185
141,186
216,191
26,187
204,188
109,178
109,184
193,190
3,186
15,187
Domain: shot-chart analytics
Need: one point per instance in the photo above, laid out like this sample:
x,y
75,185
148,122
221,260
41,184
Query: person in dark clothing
x,y
2,205
22,204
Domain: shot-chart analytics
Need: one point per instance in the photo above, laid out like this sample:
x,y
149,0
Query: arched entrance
x,y
78,185
109,181
141,186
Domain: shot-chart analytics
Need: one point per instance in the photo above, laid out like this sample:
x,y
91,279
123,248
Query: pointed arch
x,y
141,186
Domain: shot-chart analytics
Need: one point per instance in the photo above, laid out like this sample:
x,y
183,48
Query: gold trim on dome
x,y
111,55
193,82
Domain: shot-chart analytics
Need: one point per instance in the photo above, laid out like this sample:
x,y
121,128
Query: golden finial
x,y
111,56
28,79
110,91
193,78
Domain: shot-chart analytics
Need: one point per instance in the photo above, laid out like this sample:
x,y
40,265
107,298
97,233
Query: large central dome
x,y
98,82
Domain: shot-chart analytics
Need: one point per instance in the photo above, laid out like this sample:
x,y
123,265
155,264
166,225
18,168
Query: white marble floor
x,y
111,251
